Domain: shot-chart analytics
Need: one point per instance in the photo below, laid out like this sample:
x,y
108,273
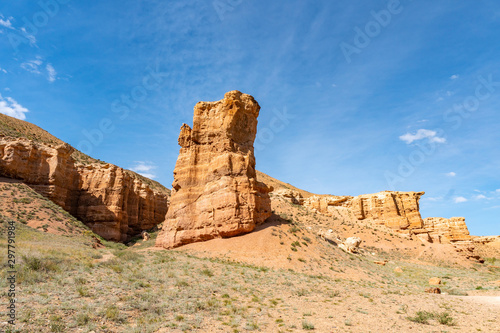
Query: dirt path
x,y
490,300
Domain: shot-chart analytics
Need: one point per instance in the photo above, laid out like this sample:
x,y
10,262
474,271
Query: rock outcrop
x,y
215,190
290,195
396,210
443,230
115,203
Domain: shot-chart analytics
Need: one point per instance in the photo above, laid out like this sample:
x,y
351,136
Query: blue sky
x,y
357,96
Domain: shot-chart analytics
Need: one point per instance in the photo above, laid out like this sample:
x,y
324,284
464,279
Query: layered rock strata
x,y
215,191
115,203
443,230
396,210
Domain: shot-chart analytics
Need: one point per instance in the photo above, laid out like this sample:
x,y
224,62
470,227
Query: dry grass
x,y
65,286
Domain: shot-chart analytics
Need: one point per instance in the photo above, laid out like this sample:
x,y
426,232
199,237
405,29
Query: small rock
x,y
398,270
433,290
435,281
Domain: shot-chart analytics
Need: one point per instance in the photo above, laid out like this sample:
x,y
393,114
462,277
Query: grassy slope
x,y
66,286
13,127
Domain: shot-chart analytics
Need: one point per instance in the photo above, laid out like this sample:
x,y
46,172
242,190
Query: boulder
x,y
435,281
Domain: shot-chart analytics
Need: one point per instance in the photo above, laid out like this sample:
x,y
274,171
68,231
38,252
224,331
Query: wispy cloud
x,y
3,70
422,134
480,197
5,23
451,174
433,199
454,76
33,66
459,199
11,108
51,72
144,168
36,66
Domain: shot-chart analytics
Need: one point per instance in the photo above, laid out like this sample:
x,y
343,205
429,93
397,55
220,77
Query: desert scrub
x,y
423,317
308,326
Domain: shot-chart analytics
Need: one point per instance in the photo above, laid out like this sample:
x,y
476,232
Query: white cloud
x,y
52,74
451,174
33,66
3,70
5,23
11,108
31,38
459,199
37,67
454,76
422,134
434,198
144,168
480,197
498,190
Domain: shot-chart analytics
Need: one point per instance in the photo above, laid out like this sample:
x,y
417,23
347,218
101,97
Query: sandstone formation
x,y
443,230
351,244
292,196
396,210
215,190
115,203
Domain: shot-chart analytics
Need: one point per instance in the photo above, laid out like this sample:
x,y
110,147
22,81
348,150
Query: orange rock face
x,y
215,191
447,230
114,203
397,210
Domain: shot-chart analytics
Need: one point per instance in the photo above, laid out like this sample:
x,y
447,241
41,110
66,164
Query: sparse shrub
x,y
82,319
207,272
181,283
421,317
307,325
444,319
83,292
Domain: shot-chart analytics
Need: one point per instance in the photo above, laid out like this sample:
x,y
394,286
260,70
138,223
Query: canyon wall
x,y
115,203
443,230
396,210
215,191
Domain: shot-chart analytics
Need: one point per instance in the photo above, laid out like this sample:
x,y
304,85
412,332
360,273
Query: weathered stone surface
x,y
215,190
444,230
290,195
434,290
113,202
397,210
351,244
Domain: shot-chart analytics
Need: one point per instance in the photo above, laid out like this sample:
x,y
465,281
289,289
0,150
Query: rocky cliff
x,y
396,210
215,190
114,202
443,230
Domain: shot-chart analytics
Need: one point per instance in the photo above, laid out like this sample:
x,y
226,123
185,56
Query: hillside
x,y
16,128
278,185
285,276
115,203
